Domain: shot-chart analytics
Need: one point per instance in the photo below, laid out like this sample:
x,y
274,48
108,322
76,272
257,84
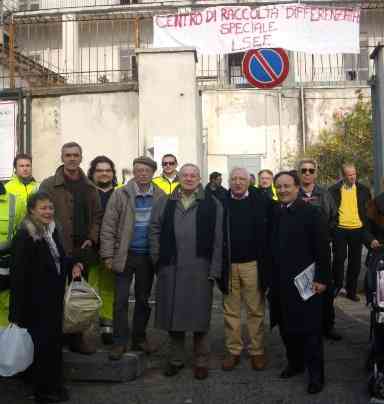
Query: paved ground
x,y
345,374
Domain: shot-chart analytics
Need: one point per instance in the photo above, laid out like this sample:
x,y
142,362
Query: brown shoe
x,y
200,372
117,352
230,362
259,362
144,346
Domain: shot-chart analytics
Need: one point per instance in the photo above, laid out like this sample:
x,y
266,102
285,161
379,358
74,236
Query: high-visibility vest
x,y
22,191
11,215
164,184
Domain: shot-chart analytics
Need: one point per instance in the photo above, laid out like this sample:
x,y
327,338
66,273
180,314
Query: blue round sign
x,y
265,68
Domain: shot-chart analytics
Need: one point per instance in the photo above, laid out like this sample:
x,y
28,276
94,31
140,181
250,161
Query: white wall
x,y
246,123
268,124
101,123
169,102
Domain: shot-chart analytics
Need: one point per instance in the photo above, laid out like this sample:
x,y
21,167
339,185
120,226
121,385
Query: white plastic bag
x,y
16,350
81,307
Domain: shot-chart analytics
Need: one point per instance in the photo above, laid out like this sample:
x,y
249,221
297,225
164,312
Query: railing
x,y
33,5
99,49
304,69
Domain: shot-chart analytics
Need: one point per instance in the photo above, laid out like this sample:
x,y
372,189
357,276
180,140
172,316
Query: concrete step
x,y
99,368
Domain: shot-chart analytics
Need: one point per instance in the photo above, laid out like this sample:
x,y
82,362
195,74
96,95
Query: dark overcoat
x,y
298,237
36,299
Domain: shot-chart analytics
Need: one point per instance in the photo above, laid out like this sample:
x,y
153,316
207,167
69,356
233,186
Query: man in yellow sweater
x,y
351,199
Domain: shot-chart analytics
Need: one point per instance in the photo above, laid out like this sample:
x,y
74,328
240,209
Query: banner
x,y
295,27
8,114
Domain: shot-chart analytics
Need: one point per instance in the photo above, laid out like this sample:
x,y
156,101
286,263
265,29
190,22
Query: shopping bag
x,y
81,307
16,350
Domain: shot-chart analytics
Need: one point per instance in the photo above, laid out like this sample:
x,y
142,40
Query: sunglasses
x,y
308,170
168,163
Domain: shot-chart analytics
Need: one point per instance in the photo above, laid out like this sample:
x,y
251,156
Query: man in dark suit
x,y
318,196
298,238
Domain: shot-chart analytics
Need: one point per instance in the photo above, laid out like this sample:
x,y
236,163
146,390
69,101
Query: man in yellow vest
x,y
168,180
22,184
11,215
351,199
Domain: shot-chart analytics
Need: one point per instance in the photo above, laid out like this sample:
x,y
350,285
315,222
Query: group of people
x,y
251,241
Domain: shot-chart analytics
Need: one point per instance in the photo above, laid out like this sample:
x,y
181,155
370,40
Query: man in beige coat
x,y
124,248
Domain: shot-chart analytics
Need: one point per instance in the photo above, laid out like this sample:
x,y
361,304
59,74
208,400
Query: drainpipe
x,y
303,131
280,132
29,123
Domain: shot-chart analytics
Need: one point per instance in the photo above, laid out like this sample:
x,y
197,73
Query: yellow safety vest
x,y
164,184
11,215
22,191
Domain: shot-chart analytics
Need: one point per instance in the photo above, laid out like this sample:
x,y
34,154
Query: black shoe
x,y
315,387
46,398
332,335
354,298
172,370
63,393
289,371
107,338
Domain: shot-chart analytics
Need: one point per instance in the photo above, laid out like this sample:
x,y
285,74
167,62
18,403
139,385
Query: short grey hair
x,y
70,145
242,169
307,161
190,165
347,165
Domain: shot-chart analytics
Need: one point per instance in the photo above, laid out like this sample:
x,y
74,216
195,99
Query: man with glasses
x,y
102,173
168,180
315,195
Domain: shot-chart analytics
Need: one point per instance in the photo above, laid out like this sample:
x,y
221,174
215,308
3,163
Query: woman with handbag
x,y
38,275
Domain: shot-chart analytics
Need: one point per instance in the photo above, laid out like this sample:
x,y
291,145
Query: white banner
x,y
296,27
8,113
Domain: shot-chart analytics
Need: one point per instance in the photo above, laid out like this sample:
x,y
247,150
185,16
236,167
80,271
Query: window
x,y
356,67
127,64
234,69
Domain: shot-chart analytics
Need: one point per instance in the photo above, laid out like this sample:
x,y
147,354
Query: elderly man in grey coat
x,y
186,247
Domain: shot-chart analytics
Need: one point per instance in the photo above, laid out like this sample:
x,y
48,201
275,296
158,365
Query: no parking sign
x,y
265,68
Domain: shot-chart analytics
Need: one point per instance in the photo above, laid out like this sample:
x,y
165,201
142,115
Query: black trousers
x,y
305,352
328,310
47,372
141,267
347,242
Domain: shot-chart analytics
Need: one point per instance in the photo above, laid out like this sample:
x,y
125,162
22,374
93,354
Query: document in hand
x,y
304,282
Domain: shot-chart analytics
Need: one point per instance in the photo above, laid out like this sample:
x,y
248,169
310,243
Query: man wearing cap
x,y
124,248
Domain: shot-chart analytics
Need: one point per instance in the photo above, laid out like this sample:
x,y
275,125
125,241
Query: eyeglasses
x,y
108,170
308,170
168,163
